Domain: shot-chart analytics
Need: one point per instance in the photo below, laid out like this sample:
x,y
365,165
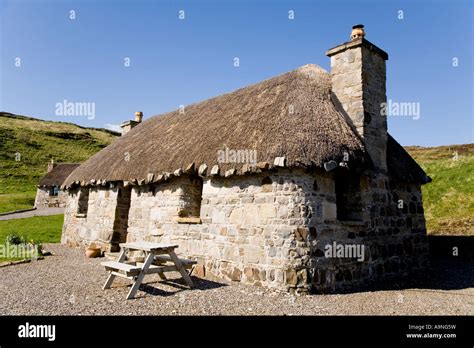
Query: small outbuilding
x,y
49,193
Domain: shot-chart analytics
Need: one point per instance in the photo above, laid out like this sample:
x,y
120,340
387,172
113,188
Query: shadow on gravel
x,y
179,285
452,263
442,247
448,274
451,268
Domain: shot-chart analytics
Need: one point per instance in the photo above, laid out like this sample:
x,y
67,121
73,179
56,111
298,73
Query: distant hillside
x,y
449,199
38,141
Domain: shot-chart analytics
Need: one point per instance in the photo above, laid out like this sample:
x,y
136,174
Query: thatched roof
x,y
289,117
402,166
57,176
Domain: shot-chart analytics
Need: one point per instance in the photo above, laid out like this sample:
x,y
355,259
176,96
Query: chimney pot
x,y
358,32
138,116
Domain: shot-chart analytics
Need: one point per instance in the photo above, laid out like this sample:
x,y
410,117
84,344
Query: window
x,y
190,205
83,202
267,184
348,198
53,190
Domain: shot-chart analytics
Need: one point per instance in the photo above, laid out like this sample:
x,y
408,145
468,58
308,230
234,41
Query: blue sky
x,y
176,62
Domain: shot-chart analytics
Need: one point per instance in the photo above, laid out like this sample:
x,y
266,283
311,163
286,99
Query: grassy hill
x,y
37,142
449,198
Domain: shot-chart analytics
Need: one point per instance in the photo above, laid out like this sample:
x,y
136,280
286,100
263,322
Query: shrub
x,y
15,239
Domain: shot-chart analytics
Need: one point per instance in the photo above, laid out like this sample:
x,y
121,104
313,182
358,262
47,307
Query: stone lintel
x,y
188,220
354,44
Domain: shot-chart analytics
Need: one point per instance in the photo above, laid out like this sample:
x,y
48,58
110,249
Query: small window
x,y
190,209
83,202
348,197
267,184
53,191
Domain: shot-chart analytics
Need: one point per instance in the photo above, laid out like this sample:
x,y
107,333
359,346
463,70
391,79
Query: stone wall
x,y
270,229
251,229
392,232
97,225
154,207
44,200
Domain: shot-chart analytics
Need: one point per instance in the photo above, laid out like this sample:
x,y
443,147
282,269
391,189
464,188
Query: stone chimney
x,y
51,165
138,116
358,77
128,125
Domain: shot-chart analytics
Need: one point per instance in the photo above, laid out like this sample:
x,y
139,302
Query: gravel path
x,y
69,283
31,213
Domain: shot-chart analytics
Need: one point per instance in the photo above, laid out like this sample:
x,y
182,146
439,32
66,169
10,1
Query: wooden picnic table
x,y
159,258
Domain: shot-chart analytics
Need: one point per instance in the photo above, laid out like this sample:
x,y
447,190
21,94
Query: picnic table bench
x,y
159,258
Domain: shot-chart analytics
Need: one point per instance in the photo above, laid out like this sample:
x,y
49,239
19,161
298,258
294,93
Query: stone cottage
x,y
49,193
291,183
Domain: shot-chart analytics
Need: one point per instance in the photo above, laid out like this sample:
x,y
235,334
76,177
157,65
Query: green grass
x,y
16,201
37,142
45,229
449,199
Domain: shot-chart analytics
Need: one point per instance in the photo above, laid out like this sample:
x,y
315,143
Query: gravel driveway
x,y
69,283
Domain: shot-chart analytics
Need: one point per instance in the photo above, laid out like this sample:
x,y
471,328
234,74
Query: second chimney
x,y
358,77
51,165
128,125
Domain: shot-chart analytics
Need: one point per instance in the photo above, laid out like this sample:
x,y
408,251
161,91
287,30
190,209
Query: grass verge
x,y
16,201
46,229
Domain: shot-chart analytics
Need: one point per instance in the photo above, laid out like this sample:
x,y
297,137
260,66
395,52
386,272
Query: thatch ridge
x,y
59,173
